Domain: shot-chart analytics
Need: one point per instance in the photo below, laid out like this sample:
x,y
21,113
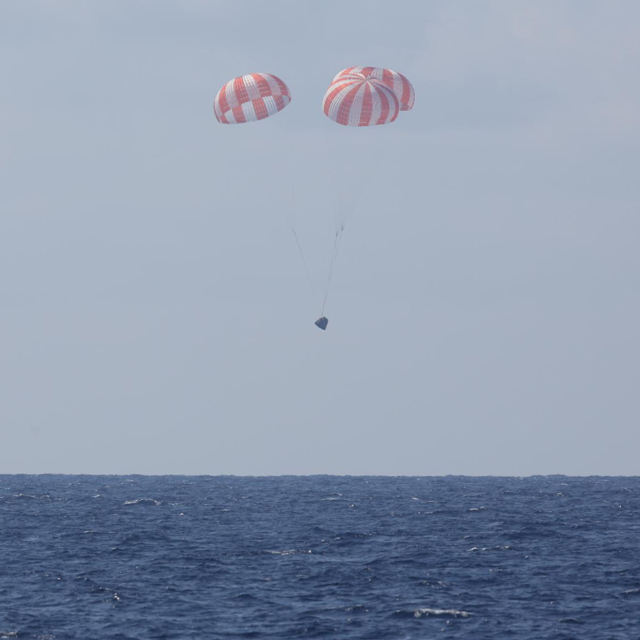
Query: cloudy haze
x,y
484,314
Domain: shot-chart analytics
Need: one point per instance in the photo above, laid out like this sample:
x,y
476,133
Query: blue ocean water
x,y
117,557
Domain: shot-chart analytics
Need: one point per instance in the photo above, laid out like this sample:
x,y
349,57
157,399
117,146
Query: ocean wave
x,y
427,612
446,613
438,584
149,501
502,547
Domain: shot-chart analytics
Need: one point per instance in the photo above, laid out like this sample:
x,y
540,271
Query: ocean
x,y
136,557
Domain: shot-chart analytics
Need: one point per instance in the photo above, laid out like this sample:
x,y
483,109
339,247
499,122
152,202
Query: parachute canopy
x,y
249,98
392,79
355,100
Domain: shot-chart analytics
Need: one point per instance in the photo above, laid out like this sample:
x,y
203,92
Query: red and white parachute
x,y
249,98
394,80
357,101
365,96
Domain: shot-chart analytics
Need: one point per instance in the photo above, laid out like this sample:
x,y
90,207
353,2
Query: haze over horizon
x,y
485,307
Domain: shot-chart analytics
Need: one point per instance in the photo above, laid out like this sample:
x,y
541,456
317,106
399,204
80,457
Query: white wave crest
x,y
448,613
157,503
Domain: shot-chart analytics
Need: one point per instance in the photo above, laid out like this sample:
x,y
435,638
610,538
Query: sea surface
x,y
106,557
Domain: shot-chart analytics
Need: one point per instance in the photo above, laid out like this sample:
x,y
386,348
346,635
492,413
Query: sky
x,y
156,317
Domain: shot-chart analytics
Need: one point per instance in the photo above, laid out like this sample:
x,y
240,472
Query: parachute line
x,y
332,266
304,262
291,224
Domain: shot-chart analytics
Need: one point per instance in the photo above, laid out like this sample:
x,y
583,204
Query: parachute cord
x,y
304,262
294,233
332,266
333,180
335,255
292,227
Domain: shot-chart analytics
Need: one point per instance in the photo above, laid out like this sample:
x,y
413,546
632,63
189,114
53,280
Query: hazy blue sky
x,y
485,312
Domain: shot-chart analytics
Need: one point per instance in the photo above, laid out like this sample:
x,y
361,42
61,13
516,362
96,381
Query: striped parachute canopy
x,y
249,98
394,80
356,100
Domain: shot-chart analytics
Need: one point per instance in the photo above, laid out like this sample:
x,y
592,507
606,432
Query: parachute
x,y
355,100
392,79
249,98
